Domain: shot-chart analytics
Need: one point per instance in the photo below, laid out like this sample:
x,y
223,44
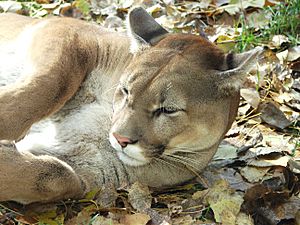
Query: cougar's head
x,y
177,98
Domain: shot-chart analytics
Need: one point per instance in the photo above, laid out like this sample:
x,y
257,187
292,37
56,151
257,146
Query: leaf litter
x,y
254,176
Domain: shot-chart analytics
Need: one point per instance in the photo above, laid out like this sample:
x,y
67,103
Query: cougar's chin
x,y
131,155
130,161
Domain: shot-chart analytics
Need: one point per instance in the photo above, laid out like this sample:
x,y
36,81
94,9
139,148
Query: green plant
x,y
247,38
204,214
296,147
285,20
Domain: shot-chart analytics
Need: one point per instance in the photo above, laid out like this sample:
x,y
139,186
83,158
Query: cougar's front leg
x,y
28,101
27,178
34,98
55,69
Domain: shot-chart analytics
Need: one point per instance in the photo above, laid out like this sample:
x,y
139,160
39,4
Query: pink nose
x,y
123,141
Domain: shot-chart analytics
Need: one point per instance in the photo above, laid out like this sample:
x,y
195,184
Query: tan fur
x,y
73,74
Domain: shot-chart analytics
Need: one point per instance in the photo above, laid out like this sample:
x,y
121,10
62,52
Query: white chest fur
x,y
12,64
84,119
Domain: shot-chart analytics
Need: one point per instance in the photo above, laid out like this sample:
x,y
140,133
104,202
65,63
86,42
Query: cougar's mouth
x,y
132,154
131,161
135,154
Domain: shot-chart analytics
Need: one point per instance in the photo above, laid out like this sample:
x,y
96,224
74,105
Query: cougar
x,y
82,107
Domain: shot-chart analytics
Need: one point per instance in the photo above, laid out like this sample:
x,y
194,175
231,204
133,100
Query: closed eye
x,y
125,90
166,110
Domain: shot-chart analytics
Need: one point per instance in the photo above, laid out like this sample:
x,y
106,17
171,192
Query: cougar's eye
x,y
124,90
165,110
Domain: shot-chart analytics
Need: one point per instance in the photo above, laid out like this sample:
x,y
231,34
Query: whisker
x,y
110,89
188,166
185,151
181,147
168,163
185,159
194,151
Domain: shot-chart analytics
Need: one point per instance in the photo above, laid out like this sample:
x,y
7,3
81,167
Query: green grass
x,y
297,146
285,20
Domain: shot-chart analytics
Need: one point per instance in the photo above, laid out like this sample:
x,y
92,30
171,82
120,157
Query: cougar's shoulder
x,y
51,57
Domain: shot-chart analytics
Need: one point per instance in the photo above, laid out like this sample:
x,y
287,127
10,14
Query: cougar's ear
x,y
238,66
143,28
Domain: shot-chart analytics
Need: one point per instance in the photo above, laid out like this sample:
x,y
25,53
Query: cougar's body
x,y
87,110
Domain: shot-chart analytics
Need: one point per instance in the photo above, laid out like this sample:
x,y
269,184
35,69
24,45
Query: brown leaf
x,y
273,116
223,200
270,206
135,219
139,197
253,174
100,220
186,220
251,96
278,40
294,53
70,11
225,151
10,6
244,219
267,151
157,218
220,2
289,210
25,219
259,18
234,179
83,217
43,1
107,197
280,161
294,166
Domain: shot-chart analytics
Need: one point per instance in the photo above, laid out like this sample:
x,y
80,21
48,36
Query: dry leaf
x,y
50,218
251,96
272,115
281,161
234,179
244,219
224,202
83,217
294,166
184,220
225,151
101,220
135,219
259,19
253,174
139,197
278,40
294,53
282,56
10,6
107,197
270,206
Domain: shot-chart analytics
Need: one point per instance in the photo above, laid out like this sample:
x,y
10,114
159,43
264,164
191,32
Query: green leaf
x,y
83,6
50,218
